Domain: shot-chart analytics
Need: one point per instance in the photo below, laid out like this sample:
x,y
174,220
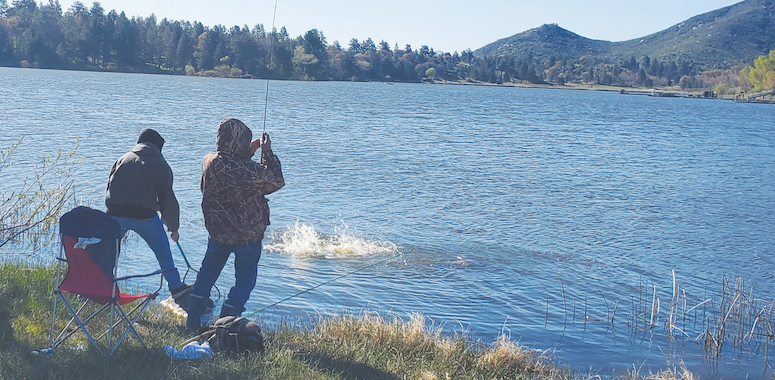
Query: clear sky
x,y
448,26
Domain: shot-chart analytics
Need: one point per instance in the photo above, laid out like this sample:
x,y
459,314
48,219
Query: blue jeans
x,y
246,258
152,231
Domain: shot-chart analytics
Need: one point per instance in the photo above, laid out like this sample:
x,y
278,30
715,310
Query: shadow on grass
x,y
347,370
6,330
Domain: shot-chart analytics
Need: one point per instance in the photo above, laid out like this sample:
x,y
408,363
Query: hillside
x,y
733,35
546,40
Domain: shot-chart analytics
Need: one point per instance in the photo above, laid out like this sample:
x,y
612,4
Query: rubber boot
x,y
209,305
195,309
228,311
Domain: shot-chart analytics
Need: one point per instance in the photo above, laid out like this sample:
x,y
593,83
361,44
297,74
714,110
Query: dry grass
x,y
734,317
668,374
414,349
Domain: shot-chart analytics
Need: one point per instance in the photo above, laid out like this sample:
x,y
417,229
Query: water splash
x,y
301,239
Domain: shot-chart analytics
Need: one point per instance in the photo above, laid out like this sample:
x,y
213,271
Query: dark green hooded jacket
x,y
140,184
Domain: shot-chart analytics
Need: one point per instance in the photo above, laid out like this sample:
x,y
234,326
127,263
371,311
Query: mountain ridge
x,y
722,38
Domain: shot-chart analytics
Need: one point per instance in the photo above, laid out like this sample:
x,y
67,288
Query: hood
x,y
233,138
151,136
146,149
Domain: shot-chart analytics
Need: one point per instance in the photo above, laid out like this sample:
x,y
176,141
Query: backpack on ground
x,y
236,335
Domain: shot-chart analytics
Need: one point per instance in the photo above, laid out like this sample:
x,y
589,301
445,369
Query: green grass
x,y
366,346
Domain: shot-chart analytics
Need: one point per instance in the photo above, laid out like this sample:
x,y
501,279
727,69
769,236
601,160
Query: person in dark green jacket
x,y
139,186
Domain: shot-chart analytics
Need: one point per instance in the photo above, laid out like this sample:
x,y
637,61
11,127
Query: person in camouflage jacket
x,y
236,213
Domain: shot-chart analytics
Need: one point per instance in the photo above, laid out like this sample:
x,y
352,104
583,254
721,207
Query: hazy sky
x,y
447,26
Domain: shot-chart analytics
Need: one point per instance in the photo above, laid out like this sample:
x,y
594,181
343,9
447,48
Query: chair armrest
x,y
160,271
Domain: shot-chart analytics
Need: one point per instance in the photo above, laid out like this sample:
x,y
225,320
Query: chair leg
x,y
130,324
62,337
53,321
81,325
129,313
129,319
85,303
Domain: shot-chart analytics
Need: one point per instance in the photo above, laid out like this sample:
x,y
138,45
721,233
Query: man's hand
x,y
175,236
266,144
254,145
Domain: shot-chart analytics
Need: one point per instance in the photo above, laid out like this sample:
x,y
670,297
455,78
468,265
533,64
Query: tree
x,y
246,50
184,51
259,31
642,77
3,8
150,49
77,34
355,46
6,52
721,89
368,46
304,63
126,41
314,43
424,51
29,214
430,73
98,30
762,75
686,82
46,36
205,51
340,62
23,8
384,47
282,55
645,63
169,36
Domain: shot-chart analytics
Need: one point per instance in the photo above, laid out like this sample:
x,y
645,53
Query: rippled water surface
x,y
506,210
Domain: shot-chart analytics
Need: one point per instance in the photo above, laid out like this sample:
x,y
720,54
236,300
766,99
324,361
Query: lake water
x,y
504,210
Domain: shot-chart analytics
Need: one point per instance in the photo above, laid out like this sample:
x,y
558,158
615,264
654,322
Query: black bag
x,y
236,337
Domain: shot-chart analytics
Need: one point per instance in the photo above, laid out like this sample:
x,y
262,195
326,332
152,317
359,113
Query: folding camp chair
x,y
91,244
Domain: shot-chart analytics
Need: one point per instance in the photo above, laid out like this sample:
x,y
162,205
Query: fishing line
x,y
227,325
313,288
287,268
190,268
271,53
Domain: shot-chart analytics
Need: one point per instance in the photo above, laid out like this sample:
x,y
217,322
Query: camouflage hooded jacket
x,y
233,187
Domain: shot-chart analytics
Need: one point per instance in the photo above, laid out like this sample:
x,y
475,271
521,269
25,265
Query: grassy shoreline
x,y
580,87
365,346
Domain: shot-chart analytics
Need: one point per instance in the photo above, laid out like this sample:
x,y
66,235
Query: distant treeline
x,y
43,36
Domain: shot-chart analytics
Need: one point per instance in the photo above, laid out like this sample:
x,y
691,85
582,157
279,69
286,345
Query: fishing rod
x,y
211,330
269,74
185,259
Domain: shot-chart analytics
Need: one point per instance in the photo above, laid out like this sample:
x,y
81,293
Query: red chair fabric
x,y
85,277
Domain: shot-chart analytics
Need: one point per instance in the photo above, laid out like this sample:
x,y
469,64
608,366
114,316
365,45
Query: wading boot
x,y
195,309
181,296
228,311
